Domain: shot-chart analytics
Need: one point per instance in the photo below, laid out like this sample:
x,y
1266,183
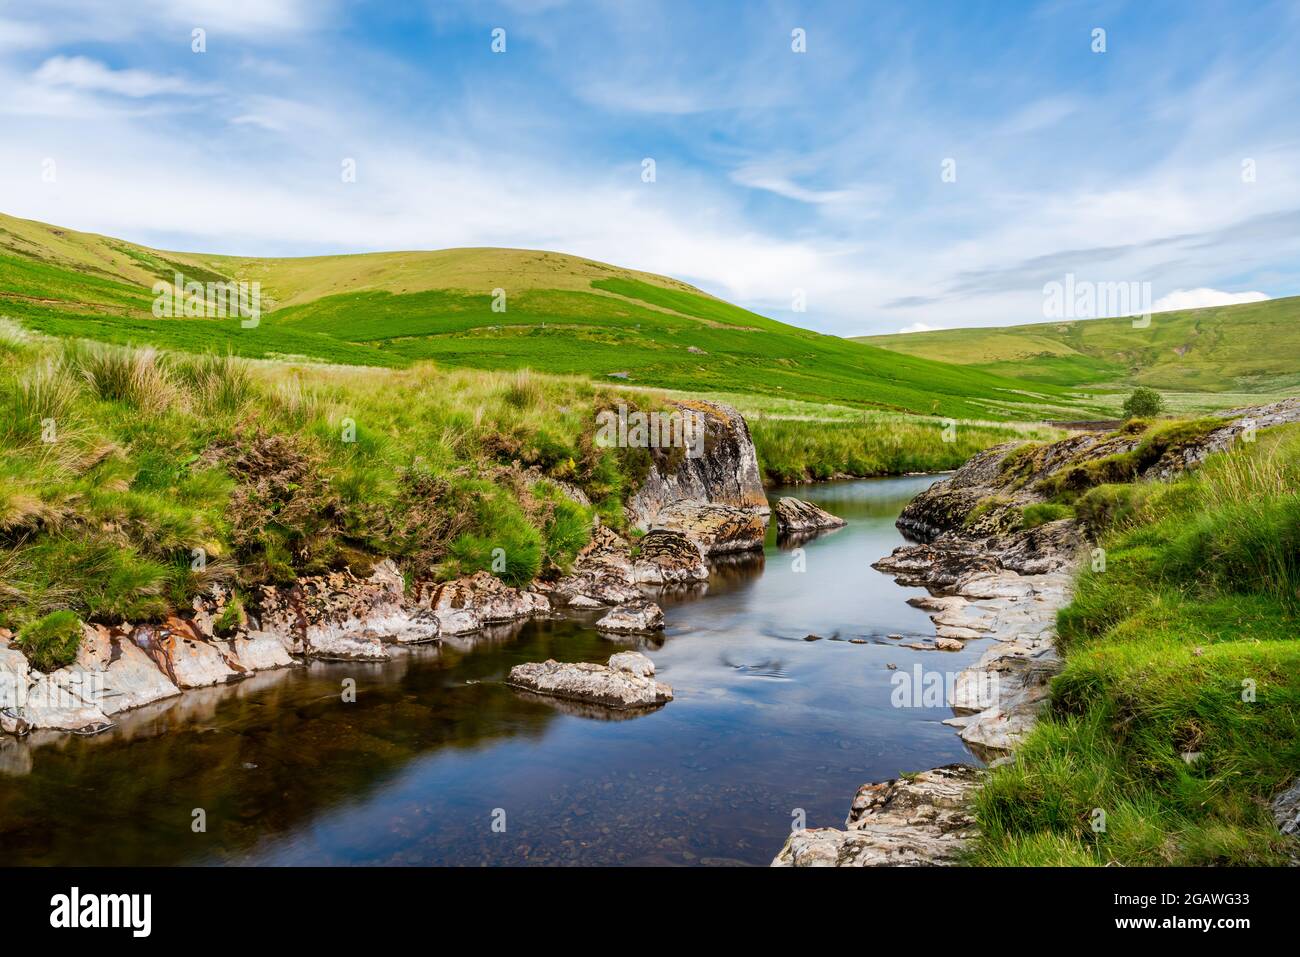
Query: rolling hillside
x,y
1253,347
562,314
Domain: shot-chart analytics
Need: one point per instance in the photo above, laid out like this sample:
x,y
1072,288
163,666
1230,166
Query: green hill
x,y
562,314
1253,347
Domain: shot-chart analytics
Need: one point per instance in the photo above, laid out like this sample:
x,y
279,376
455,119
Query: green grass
x,y
120,467
50,642
563,315
1248,348
1177,715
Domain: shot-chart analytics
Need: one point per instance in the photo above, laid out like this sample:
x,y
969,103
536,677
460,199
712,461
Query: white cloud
x,y
1203,298
918,327
90,76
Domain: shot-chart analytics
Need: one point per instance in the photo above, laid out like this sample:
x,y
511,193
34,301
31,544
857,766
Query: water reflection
x,y
414,771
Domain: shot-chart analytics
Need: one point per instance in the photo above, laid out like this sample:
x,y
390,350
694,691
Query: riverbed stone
x,y
187,659
258,651
634,617
665,557
626,681
795,516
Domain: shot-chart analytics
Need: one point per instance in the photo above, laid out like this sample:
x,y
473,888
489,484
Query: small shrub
x,y
1143,404
227,623
51,642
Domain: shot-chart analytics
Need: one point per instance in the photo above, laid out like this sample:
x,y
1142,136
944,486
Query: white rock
x,y
615,685
635,617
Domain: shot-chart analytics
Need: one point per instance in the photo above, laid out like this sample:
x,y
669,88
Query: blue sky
x,y
776,172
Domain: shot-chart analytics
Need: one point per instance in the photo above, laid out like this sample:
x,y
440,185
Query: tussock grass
x,y
1178,712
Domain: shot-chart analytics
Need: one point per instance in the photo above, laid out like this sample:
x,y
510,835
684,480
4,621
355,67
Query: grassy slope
x,y
154,456
1245,348
564,315
1178,712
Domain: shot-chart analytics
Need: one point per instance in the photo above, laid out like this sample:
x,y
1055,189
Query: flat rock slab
x,y
626,682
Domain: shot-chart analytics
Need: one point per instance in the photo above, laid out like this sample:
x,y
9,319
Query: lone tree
x,y
1143,403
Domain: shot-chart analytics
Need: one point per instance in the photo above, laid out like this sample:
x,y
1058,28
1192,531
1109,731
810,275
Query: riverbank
x,y
1150,742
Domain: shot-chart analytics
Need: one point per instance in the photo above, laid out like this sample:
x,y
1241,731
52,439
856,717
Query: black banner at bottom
x,y
336,906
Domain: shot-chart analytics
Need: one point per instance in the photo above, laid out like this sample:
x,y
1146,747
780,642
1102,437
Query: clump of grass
x,y
135,377
36,401
52,641
227,623
1040,513
216,381
522,390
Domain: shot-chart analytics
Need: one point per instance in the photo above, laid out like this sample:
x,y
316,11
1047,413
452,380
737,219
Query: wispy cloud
x,y
87,75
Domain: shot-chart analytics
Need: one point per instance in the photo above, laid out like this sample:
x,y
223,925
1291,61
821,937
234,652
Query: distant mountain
x,y
484,308
1252,347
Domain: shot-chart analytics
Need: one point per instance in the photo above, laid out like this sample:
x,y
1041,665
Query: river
x,y
438,762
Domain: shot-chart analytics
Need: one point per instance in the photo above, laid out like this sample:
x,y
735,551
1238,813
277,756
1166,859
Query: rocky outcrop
x,y
797,517
605,573
626,682
339,616
919,820
725,473
490,599
985,497
343,617
638,617
715,529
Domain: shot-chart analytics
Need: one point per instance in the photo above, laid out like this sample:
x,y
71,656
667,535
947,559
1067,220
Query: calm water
x,y
436,748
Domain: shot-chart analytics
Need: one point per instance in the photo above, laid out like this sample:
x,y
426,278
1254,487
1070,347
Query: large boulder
x,y
795,516
605,574
626,682
726,472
